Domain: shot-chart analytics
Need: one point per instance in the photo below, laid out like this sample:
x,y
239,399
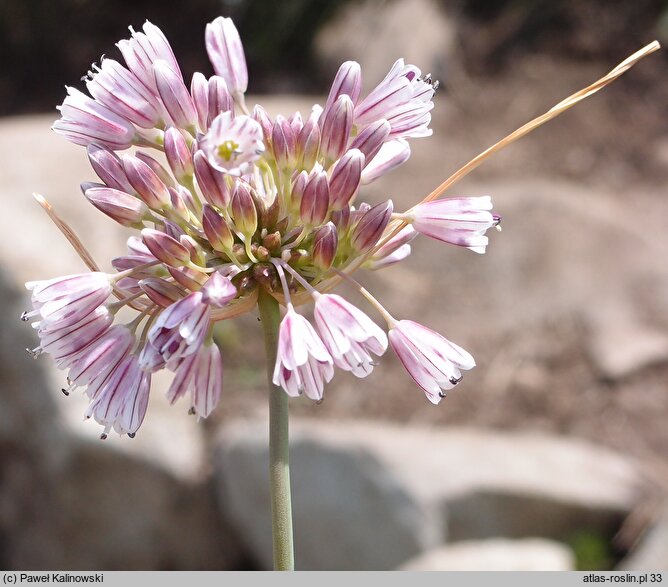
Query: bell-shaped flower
x,y
349,334
433,362
458,221
303,364
226,54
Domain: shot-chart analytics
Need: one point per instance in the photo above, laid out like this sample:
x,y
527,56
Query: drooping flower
x,y
433,362
303,364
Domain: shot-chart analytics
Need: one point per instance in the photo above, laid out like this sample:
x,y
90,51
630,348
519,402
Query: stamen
x,y
307,286
456,380
66,392
191,411
442,394
34,353
132,434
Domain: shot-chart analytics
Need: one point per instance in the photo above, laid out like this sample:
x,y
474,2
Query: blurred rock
x,y
376,33
652,552
531,554
370,496
350,511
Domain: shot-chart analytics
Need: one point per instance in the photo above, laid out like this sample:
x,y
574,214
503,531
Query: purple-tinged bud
x,y
175,95
146,183
243,210
262,118
348,80
308,144
341,219
199,90
337,123
226,53
86,185
315,201
84,121
218,291
143,49
211,182
325,241
272,241
371,226
161,292
372,138
108,167
165,248
188,277
179,206
296,122
197,255
217,230
391,155
220,99
159,170
172,229
345,179
121,91
283,143
298,186
178,154
123,208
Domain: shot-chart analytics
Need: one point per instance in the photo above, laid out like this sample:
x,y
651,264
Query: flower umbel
x,y
245,203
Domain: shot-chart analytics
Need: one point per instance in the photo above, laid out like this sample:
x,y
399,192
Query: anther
x,y
34,353
25,316
103,436
442,394
66,392
191,411
132,434
456,380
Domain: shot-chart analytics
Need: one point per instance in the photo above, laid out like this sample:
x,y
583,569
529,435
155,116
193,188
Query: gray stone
x,y
651,554
368,495
530,554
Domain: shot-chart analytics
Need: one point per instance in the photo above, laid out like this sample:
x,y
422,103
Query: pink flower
x,y
202,375
232,143
84,121
122,401
432,361
390,156
226,54
303,364
63,301
349,334
394,250
459,221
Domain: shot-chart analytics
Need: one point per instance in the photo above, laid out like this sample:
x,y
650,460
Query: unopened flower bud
x,y
161,292
146,183
345,179
226,53
296,122
371,139
220,99
211,182
341,219
308,144
199,90
165,248
335,131
123,208
197,255
371,226
157,167
348,80
260,116
216,229
188,277
325,242
178,154
172,229
283,143
391,155
272,241
243,210
315,201
298,186
108,167
174,95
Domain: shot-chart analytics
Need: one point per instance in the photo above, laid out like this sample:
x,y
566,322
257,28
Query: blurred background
x,y
551,454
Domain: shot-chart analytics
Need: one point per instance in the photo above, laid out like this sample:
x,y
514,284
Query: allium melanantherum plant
x,y
245,206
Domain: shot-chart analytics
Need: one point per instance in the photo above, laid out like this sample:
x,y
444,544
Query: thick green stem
x,y
279,450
